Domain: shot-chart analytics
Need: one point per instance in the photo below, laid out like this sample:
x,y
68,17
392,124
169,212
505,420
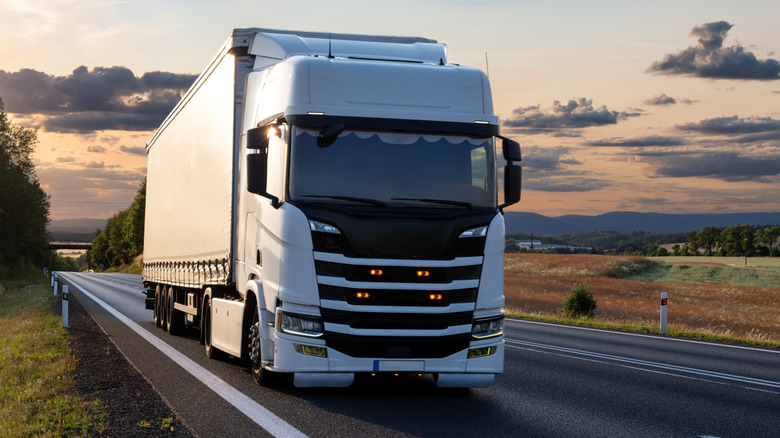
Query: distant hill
x,y
75,230
626,222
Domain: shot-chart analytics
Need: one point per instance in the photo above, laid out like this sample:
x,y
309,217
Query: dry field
x,y
536,284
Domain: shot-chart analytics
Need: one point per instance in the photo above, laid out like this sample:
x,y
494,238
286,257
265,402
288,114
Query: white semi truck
x,y
327,204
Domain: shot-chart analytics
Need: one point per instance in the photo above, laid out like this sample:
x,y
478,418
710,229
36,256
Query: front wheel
x,y
259,374
211,352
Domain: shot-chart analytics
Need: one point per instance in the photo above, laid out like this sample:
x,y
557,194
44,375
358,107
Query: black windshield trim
x,y
407,125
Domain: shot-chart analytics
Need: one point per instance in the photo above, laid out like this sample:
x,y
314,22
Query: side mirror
x,y
513,175
257,138
257,176
511,150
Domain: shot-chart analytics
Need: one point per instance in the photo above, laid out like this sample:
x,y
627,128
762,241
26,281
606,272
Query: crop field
x,y
729,304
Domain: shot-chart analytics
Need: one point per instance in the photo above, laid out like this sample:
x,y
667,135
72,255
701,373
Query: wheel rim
x,y
254,344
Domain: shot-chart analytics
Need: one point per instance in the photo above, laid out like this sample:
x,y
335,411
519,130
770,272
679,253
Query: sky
x,y
648,106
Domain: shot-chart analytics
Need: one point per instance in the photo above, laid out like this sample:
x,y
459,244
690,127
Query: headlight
x,y
487,328
322,227
475,232
299,325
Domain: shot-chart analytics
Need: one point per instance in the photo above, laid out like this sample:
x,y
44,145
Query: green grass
x,y
759,276
37,395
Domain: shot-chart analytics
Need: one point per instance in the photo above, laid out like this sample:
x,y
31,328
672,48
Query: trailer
x,y
327,204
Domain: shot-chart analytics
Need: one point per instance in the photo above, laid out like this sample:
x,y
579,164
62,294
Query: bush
x,y
579,303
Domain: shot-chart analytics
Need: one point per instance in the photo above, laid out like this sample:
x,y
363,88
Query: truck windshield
x,y
394,169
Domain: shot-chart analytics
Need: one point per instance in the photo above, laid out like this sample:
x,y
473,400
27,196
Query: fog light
x,y
481,352
311,351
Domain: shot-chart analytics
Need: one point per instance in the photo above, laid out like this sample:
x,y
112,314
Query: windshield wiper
x,y
438,201
349,198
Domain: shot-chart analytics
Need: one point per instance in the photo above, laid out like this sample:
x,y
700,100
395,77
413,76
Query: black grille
x,y
396,321
397,348
382,297
398,274
469,247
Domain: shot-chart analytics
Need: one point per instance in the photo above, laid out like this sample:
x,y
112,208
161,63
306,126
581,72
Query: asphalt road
x,y
559,381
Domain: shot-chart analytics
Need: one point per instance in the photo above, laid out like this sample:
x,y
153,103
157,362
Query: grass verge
x,y
37,395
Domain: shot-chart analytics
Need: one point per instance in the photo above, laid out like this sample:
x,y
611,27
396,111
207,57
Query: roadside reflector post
x,y
55,287
65,306
663,312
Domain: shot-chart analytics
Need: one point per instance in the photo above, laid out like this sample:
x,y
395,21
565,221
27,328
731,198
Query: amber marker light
x,y
362,295
376,272
435,297
423,273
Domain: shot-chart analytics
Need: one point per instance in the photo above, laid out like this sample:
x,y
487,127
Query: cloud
x,y
709,59
83,123
96,149
661,100
545,158
575,114
133,150
664,100
733,126
91,191
726,166
639,142
565,184
105,98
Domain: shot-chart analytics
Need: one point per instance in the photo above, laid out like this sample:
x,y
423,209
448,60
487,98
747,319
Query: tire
x,y
254,338
163,307
174,319
157,312
211,352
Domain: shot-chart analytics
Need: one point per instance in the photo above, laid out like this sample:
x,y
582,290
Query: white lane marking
x,y
663,366
640,335
256,412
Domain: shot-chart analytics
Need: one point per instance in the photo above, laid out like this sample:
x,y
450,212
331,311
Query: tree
x,y
24,206
737,240
768,237
693,242
99,252
708,238
134,224
123,237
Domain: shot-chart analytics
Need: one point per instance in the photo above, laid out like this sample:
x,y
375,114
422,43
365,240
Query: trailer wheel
x,y
259,374
157,299
211,352
174,319
163,308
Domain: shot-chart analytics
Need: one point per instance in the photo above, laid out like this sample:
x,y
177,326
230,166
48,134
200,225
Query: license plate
x,y
399,365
